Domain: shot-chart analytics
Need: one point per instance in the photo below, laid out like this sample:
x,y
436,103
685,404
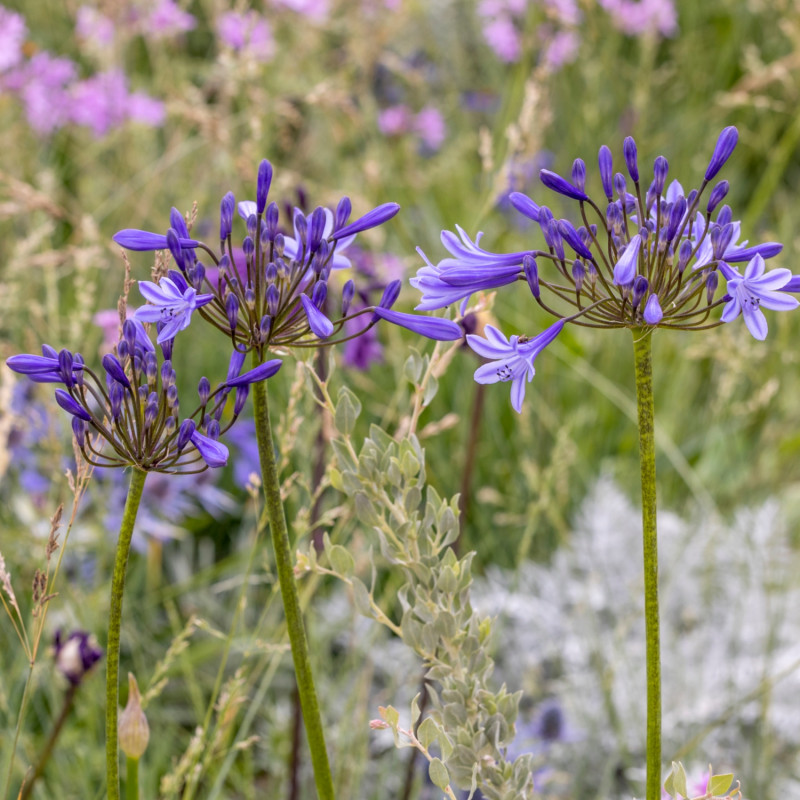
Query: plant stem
x,y
114,623
132,779
69,697
647,457
291,602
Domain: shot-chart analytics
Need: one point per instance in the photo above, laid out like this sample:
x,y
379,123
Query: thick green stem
x,y
647,457
114,623
291,601
132,779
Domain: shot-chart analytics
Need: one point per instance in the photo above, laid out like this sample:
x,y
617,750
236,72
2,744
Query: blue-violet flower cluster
x,y
274,293
653,257
135,407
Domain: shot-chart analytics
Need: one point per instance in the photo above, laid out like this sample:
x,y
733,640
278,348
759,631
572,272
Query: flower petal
x,y
436,328
321,326
756,321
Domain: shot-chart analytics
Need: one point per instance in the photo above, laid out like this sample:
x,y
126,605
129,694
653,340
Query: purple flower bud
x,y
629,151
273,299
232,310
348,292
212,429
712,281
531,274
262,185
626,267
264,327
300,225
241,399
129,334
65,362
123,351
555,182
660,170
372,219
684,253
177,222
204,390
320,325
691,197
567,230
79,429
554,235
248,246
139,241
524,205
390,294
720,239
166,347
172,395
151,410
271,221
725,215
652,310
258,374
214,453
722,152
68,404
116,394
676,215
185,433
167,374
545,217
578,274
614,218
174,245
579,174
432,327
226,208
620,186
319,293
76,655
317,227
640,286
115,370
717,195
606,163
343,210
48,352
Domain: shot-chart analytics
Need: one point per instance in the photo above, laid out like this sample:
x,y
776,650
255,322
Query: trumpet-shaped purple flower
x,y
754,290
511,359
170,304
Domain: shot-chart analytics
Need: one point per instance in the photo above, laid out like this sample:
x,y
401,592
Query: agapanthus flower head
x,y
134,409
643,258
76,655
276,289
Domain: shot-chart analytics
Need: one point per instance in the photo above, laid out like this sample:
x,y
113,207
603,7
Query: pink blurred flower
x,y
502,36
42,84
108,322
317,10
145,109
168,19
429,125
94,27
561,49
636,17
100,102
247,33
395,120
13,31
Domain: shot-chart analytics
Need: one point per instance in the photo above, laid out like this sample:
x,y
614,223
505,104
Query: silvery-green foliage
x,y
471,723
573,629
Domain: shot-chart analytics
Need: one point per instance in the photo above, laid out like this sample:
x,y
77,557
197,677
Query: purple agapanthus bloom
x,y
274,290
172,303
248,34
510,359
647,260
13,31
76,654
755,290
135,407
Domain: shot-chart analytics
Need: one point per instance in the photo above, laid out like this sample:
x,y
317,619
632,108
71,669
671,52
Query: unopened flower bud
x,y
629,151
204,390
717,195
343,210
712,281
578,274
79,429
232,310
660,170
606,164
185,433
684,253
241,399
226,208
348,292
640,285
134,732
531,274
262,185
579,174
